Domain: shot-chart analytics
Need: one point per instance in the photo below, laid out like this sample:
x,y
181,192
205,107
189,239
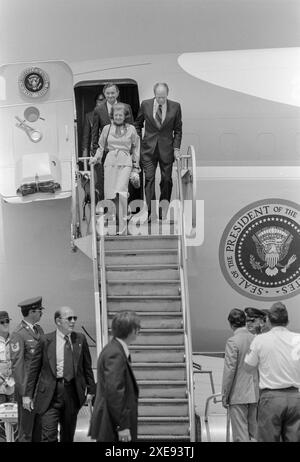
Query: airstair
x,y
147,273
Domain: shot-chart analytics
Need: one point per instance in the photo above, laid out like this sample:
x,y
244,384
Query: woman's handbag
x,y
105,149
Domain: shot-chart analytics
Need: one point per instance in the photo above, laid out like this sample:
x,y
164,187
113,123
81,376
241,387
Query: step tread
x,y
163,419
160,437
162,382
145,281
142,237
138,297
150,267
166,365
156,347
159,331
139,251
178,314
163,400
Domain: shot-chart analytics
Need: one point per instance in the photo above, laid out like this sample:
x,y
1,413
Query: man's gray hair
x,y
158,84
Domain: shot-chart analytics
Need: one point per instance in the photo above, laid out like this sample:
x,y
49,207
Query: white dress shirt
x,y
124,345
277,355
60,346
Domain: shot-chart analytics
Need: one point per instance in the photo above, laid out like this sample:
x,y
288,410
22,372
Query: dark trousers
x,y
63,410
29,424
279,415
149,167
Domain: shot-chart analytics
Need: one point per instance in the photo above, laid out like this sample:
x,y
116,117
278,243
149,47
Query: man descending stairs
x,y
142,274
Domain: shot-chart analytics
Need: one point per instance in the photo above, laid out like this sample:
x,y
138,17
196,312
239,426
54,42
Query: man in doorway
x,y
23,344
102,116
160,144
114,416
87,128
60,378
239,387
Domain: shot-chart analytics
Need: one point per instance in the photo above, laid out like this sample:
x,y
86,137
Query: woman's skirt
x,y
117,169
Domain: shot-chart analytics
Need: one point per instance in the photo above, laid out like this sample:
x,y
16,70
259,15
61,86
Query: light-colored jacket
x,y
6,379
238,385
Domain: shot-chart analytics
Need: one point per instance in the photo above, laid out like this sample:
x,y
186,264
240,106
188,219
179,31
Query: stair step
x,y
162,388
141,242
154,353
173,425
160,337
141,272
163,438
163,407
159,371
140,303
146,256
159,321
155,287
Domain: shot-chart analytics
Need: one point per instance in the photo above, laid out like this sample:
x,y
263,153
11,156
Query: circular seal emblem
x,y
34,82
259,251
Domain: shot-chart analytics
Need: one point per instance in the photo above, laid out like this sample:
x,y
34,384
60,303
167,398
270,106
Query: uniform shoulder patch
x,y
15,347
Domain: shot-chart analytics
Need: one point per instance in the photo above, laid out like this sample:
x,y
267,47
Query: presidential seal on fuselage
x,y
34,82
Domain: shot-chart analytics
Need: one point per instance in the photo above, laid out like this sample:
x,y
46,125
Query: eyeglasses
x,y
37,310
70,318
6,321
251,319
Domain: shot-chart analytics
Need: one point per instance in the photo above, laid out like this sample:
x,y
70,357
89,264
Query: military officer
x,y
255,320
23,343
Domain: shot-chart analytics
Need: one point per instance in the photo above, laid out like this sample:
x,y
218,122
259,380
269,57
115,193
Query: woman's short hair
x,y
120,107
124,323
109,85
237,318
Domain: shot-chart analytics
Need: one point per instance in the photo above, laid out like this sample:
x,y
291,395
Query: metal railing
x,y
189,176
217,398
185,303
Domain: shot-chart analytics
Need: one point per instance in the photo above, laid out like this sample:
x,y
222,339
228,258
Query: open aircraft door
x,y
37,137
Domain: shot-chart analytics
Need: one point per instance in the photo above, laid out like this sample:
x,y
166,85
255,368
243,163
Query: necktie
x,y
129,358
158,116
68,360
111,113
35,330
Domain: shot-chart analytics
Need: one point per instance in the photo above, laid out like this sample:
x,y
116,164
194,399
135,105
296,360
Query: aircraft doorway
x,y
85,97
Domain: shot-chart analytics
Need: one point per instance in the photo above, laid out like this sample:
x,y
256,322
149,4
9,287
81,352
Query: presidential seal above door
x,y
259,251
34,82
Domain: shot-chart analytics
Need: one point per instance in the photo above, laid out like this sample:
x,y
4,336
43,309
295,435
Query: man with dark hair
x,y
276,354
239,387
160,144
23,344
87,127
114,416
60,378
255,320
102,116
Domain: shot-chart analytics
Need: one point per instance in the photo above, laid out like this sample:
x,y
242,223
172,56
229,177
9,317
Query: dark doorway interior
x,y
85,94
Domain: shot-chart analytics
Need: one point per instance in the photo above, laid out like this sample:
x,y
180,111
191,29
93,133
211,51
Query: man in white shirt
x,y
276,354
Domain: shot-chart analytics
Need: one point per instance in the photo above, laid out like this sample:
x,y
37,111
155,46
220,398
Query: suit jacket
x,y
41,381
87,131
101,118
23,344
168,136
116,402
239,386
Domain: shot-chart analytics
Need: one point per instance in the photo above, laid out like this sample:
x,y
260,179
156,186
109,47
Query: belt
x,y
64,381
280,389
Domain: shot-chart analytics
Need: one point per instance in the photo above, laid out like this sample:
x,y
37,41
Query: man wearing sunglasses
x,y
255,320
60,378
6,380
23,343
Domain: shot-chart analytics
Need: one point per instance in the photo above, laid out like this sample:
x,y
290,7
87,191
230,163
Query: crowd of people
x,y
261,376
119,151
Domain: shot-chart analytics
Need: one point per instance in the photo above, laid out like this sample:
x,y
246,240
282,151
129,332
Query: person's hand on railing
x,y
225,402
176,153
97,158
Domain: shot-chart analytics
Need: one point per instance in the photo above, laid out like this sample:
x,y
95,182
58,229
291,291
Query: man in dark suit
x,y
114,416
160,144
23,343
87,127
60,378
102,116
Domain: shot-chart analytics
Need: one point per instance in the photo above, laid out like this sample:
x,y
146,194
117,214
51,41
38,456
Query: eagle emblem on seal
x,y
272,245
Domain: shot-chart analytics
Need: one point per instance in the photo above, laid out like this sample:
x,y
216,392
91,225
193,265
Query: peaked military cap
x,y
4,315
254,313
32,303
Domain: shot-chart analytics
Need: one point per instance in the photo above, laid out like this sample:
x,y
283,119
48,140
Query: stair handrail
x,y
192,172
186,305
100,309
